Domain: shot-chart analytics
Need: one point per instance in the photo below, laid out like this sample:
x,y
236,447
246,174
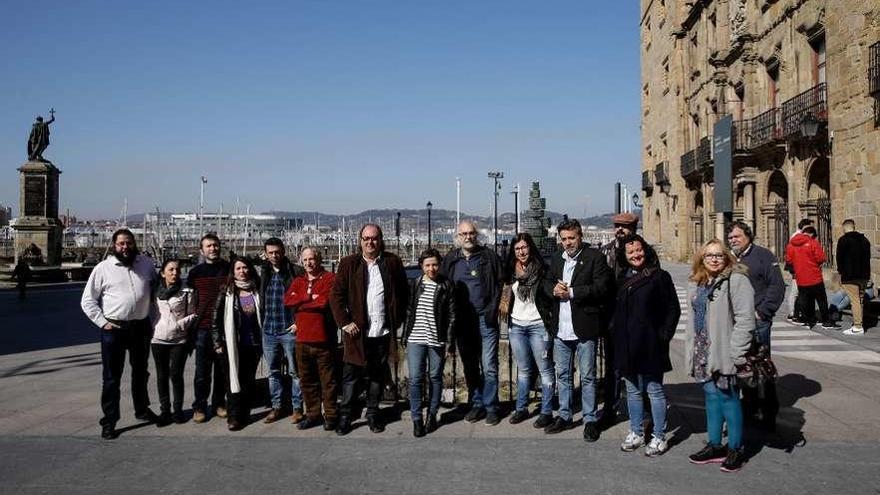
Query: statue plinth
x,y
38,221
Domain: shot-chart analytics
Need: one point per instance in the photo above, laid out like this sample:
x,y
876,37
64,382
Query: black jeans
x,y
239,404
170,360
611,382
133,337
808,297
376,352
206,362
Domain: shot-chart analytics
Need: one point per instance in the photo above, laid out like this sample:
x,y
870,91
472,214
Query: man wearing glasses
x,y
368,300
117,300
476,273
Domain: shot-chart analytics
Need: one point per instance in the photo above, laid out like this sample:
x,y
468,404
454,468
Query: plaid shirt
x,y
277,318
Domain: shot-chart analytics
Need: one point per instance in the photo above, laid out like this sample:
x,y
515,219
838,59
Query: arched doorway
x,y
696,221
775,212
818,203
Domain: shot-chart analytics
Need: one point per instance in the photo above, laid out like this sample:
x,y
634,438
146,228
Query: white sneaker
x,y
656,447
854,331
632,442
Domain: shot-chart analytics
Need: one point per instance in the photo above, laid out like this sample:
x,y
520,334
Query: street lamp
x,y
636,202
809,126
429,206
495,176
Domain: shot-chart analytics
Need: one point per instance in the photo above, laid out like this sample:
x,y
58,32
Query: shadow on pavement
x,y
52,365
47,319
687,415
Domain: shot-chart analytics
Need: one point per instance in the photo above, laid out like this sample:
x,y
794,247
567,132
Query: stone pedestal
x,y
38,221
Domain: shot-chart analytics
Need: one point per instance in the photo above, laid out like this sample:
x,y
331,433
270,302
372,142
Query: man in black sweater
x,y
854,266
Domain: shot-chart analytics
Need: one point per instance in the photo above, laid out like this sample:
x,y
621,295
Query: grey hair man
x,y
476,272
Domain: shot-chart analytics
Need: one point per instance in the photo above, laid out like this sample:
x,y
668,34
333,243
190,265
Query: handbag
x,y
758,368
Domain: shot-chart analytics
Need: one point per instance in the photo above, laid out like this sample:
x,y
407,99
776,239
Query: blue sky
x,y
336,106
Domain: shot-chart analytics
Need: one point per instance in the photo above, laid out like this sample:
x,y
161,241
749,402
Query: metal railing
x,y
661,174
647,181
704,152
766,129
812,102
689,163
740,134
874,69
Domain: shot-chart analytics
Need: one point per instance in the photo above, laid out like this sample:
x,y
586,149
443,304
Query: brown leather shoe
x,y
220,411
273,416
199,416
297,416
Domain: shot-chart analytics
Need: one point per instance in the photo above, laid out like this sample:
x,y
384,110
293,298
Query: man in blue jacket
x,y
766,278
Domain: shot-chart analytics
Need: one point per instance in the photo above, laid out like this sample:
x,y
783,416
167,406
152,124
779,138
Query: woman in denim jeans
x,y
525,307
721,319
645,316
428,337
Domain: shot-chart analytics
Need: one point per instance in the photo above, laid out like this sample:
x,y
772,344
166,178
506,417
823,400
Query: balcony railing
x,y
874,69
766,129
647,181
704,152
740,135
812,103
689,163
661,174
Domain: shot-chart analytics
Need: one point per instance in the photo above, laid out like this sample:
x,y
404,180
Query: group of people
x,y
804,257
233,314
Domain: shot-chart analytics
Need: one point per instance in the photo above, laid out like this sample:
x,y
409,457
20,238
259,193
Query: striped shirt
x,y
425,326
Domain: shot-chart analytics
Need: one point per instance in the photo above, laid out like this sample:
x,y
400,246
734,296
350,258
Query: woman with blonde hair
x,y
721,318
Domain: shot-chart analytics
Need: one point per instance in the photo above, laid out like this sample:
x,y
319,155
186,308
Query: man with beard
x,y
624,224
117,299
476,273
205,279
579,281
766,279
368,301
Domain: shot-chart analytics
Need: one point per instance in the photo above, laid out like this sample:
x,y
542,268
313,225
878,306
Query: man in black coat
x,y
766,278
580,281
476,272
854,266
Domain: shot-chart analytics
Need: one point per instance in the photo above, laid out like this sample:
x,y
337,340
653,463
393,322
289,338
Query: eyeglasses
x,y
713,256
467,234
370,239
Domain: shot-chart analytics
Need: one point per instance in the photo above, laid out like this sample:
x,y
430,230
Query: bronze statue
x,y
39,138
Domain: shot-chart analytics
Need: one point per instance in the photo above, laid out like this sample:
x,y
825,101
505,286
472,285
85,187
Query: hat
x,y
625,219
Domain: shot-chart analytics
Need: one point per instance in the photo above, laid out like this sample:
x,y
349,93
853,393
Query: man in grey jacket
x,y
766,278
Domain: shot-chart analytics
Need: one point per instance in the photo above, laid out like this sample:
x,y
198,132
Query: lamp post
x,y
429,206
495,176
516,210
636,202
202,205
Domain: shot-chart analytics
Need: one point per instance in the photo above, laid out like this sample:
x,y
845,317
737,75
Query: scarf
x,y
164,292
247,285
637,277
528,281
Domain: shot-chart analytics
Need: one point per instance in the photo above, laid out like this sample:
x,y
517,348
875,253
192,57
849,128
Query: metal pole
x,y
457,201
429,205
202,204
495,176
516,206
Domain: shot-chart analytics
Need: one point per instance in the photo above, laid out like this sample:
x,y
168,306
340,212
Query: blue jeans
x,y
564,354
530,346
286,343
721,406
762,331
416,357
479,355
636,386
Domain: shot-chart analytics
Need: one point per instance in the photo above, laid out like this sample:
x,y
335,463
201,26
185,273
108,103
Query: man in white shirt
x,y
368,301
117,299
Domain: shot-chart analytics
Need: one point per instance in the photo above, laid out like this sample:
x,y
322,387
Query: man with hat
x,y
624,225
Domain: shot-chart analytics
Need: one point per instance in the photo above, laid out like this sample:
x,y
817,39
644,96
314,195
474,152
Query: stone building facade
x,y
800,80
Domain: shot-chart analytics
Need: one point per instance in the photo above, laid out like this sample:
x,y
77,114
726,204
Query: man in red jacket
x,y
806,256
309,297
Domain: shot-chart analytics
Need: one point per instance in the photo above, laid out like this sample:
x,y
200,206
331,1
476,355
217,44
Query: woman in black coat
x,y
645,316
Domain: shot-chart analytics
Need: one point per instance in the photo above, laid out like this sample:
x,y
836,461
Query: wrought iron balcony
x,y
661,176
689,163
766,129
812,103
874,69
704,152
647,181
740,135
